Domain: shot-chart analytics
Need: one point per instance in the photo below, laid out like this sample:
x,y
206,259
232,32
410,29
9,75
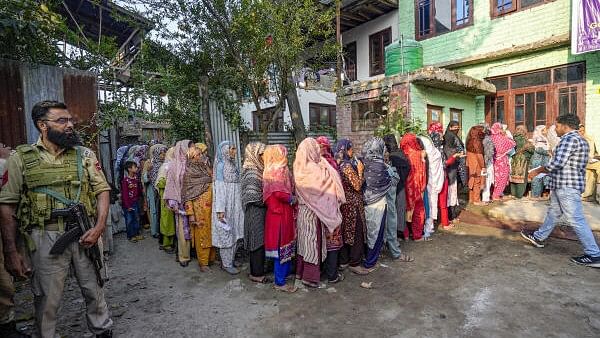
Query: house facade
x,y
519,47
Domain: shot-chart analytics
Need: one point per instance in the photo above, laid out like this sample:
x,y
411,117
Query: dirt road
x,y
472,282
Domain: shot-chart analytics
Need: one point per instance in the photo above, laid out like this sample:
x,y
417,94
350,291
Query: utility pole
x,y
338,34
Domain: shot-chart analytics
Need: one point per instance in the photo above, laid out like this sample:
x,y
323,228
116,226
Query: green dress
x,y
167,218
520,165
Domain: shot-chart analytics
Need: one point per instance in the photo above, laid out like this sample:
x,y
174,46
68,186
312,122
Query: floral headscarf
x,y
155,162
539,140
326,150
252,173
377,177
277,176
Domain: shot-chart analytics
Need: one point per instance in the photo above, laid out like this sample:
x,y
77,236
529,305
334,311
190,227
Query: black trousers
x,y
331,265
353,254
257,262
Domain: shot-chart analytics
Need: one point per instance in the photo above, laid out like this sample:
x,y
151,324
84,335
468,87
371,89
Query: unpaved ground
x,y
473,282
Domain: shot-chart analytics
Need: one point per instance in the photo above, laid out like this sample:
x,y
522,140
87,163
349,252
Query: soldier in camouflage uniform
x,y
43,177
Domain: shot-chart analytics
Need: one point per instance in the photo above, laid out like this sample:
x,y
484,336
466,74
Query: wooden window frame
x,y
355,69
372,37
331,115
358,123
256,121
460,120
552,96
494,14
454,26
430,109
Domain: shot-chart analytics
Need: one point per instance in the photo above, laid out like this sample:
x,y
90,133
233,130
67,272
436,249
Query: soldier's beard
x,y
65,140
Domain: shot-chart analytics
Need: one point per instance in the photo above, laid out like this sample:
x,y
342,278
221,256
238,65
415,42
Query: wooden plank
x,y
12,128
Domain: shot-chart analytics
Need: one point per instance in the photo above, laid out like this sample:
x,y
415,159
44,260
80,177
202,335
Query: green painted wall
x,y
421,96
488,35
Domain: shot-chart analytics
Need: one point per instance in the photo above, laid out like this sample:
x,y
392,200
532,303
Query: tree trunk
x,y
208,135
295,112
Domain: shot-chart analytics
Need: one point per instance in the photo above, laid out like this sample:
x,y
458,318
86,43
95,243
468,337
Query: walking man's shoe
x,y
528,235
585,260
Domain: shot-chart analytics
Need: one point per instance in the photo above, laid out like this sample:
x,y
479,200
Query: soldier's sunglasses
x,y
62,120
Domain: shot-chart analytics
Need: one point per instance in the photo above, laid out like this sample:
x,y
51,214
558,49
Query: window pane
x,y
324,115
332,117
504,5
540,97
500,110
313,115
519,99
540,114
462,11
573,102
530,111
424,17
563,102
531,79
519,115
443,16
500,83
572,73
527,3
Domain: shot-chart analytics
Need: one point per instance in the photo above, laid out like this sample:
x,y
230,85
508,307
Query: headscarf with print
x,y
341,154
539,139
252,174
155,151
198,174
276,176
326,150
377,177
176,172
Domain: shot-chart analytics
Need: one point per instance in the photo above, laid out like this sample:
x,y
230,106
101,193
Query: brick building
x,y
520,47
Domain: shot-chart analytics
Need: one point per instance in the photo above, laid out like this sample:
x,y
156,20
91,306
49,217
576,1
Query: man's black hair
x,y
570,120
130,164
41,109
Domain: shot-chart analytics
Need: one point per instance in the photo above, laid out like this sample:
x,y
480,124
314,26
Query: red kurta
x,y
280,229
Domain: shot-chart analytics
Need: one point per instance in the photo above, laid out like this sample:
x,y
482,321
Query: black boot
x,y
9,330
105,334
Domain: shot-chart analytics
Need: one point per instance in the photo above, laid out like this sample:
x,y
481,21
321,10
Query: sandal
x,y
260,280
359,270
404,258
314,285
424,239
286,288
339,278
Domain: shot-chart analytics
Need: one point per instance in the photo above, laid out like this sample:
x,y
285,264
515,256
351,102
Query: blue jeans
x,y
132,221
567,201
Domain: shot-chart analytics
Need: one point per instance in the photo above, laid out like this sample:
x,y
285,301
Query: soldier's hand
x,y
15,264
90,237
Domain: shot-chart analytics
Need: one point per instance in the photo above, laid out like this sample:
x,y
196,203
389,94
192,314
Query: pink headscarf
x,y
276,176
319,184
501,142
176,172
326,151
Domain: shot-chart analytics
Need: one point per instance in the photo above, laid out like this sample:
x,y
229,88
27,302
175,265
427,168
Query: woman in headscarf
x,y
254,210
553,138
280,231
196,194
503,145
488,158
149,175
326,151
228,215
540,157
377,185
320,194
475,164
353,211
167,217
120,160
520,162
400,163
415,186
453,145
435,182
173,196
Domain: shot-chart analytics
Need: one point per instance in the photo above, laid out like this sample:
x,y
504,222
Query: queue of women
x,y
335,210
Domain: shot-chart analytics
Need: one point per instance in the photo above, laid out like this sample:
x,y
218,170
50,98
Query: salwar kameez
x,y
376,220
540,157
353,217
167,218
199,213
153,211
391,225
312,248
